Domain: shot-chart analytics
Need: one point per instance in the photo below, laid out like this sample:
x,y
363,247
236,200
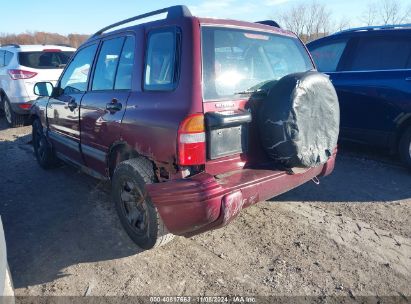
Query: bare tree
x,y
392,12
369,16
386,12
343,24
294,19
307,20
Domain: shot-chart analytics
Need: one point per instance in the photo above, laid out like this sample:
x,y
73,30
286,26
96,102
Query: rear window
x,y
236,61
381,53
44,59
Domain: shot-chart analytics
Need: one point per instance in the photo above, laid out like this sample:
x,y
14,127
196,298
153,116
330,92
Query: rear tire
x,y
13,119
42,149
405,147
139,217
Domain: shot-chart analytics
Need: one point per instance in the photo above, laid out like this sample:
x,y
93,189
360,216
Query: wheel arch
x,y
405,124
121,151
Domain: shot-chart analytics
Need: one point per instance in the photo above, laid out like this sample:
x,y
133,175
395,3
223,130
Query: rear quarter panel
x,y
150,123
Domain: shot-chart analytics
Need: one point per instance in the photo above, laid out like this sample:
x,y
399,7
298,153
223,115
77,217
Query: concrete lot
x,y
349,236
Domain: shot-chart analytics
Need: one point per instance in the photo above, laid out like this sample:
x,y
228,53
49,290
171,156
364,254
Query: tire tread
x,y
144,168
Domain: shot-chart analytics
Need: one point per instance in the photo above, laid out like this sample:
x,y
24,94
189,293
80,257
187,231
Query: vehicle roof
x,y
35,47
367,30
379,28
178,13
244,24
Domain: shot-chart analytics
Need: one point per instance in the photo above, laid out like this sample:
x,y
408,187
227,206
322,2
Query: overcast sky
x,y
88,16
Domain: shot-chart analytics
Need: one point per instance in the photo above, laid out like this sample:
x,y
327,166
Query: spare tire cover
x,y
299,120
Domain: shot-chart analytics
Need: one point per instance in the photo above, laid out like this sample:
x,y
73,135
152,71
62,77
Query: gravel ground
x,y
349,236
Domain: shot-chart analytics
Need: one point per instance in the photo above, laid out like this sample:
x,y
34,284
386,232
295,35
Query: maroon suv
x,y
192,119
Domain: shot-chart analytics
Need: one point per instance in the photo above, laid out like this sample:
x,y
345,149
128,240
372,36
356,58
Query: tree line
x,y
74,40
313,20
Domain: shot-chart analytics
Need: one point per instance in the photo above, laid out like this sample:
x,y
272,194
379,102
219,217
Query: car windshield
x,y
238,61
49,59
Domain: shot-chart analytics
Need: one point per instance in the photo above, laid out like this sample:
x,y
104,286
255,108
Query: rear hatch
x,y
44,65
237,66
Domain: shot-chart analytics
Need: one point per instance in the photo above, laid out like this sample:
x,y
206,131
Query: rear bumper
x,y
21,105
204,202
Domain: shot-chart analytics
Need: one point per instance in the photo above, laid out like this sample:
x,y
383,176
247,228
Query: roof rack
x,y
172,12
372,28
10,45
270,23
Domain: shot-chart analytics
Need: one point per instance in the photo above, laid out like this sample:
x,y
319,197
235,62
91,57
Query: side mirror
x,y
43,89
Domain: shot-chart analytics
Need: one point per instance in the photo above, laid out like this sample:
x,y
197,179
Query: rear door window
x,y
107,62
328,56
49,59
381,53
125,66
161,70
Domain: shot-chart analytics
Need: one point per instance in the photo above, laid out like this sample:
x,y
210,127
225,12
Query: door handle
x,y
114,106
72,104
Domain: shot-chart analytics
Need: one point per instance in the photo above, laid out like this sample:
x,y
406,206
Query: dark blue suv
x,y
370,68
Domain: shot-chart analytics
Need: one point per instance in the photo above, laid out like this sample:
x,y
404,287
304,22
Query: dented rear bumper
x,y
204,202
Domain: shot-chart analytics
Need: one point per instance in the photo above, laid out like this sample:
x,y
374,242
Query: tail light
x,y
191,141
21,74
25,106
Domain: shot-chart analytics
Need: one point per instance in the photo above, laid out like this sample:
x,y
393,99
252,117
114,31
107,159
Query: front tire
x,y
139,217
405,147
42,149
13,119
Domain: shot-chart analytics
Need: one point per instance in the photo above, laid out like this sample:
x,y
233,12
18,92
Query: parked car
x,y
6,283
370,68
21,66
192,119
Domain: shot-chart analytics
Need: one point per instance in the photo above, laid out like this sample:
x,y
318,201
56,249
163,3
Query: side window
x,y
125,66
107,63
2,58
381,53
328,56
76,75
161,61
7,58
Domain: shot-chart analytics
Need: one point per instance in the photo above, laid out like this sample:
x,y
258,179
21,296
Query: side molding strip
x,y
69,143
94,153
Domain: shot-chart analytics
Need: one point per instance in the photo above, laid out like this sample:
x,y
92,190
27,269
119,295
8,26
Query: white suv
x,y
21,67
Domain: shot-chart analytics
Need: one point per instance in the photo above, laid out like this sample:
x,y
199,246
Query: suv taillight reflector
x,y
21,74
25,106
191,141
